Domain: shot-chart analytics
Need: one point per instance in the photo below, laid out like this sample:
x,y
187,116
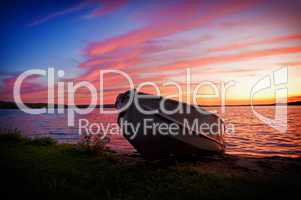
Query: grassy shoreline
x,y
44,169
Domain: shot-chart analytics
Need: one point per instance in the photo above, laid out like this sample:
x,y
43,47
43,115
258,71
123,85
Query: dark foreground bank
x,y
41,168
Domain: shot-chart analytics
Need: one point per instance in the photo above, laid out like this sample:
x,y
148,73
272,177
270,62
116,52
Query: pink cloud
x,y
51,16
272,40
232,58
29,87
102,8
166,27
108,7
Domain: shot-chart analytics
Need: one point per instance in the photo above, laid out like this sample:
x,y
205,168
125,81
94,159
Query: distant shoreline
x,y
297,103
12,105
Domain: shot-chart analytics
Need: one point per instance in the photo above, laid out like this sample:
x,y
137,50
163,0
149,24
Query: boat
x,y
142,117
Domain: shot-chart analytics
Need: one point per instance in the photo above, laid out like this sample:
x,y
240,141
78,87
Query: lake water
x,y
251,135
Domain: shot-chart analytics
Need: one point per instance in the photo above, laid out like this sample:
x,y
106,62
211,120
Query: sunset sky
x,y
151,41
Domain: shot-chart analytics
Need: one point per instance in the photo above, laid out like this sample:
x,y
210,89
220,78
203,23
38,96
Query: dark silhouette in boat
x,y
155,143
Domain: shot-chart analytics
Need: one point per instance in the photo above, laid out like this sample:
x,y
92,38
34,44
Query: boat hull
x,y
153,142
